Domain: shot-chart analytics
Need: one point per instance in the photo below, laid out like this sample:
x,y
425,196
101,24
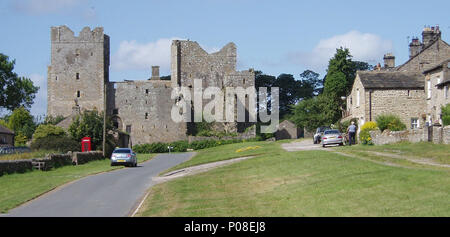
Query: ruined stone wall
x,y
190,62
79,65
434,54
404,103
145,107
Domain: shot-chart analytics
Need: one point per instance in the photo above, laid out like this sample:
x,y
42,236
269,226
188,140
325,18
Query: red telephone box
x,y
86,144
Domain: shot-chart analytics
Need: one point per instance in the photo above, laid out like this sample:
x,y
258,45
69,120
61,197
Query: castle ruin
x,y
78,79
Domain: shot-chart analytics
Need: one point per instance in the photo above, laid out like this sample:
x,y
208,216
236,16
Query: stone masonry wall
x,y
398,102
78,65
145,108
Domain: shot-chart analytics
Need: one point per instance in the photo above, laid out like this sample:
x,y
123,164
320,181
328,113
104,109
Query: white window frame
x,y
415,123
358,95
429,89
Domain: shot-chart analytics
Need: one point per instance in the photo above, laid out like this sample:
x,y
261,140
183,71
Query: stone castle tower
x,y
78,72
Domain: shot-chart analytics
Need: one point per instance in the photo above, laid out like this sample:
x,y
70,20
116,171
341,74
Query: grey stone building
x,y
437,82
287,130
6,137
398,90
78,80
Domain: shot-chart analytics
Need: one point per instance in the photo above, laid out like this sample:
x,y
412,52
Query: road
x,y
111,194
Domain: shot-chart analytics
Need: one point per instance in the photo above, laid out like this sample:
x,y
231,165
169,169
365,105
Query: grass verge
x,y
20,188
304,183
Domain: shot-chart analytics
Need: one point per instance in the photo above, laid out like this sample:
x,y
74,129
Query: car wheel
x,y
323,145
341,144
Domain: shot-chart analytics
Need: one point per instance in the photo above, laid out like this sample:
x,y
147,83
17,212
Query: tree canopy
x,y
15,91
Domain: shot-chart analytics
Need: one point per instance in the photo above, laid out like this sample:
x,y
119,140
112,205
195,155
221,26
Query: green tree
x,y
90,124
21,121
312,113
15,91
446,114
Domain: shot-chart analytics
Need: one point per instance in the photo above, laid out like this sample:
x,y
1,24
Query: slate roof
x,y
391,80
4,130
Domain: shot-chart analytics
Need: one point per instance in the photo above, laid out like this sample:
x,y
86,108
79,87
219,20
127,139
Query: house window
x,y
78,94
357,97
438,80
429,89
128,130
415,123
77,76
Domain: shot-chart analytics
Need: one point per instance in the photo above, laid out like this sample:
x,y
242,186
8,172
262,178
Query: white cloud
x,y
45,6
137,56
39,106
363,47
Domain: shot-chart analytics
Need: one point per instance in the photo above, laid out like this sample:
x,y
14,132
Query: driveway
x,y
303,145
111,194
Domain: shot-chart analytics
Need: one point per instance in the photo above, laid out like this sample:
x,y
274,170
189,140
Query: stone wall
x,y
441,135
14,166
79,158
144,111
79,65
406,104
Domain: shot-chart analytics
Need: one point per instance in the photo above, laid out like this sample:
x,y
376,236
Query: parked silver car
x,y
319,133
332,136
124,156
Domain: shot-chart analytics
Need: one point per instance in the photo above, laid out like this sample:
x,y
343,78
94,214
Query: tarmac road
x,y
111,194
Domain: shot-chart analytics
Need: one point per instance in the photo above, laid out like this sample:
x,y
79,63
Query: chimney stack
x,y
415,47
389,60
155,73
430,34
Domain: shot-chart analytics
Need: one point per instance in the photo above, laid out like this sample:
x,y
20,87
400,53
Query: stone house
x,y
437,82
6,137
398,90
287,130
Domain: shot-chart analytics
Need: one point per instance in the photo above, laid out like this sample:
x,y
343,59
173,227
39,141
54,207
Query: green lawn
x,y
19,188
304,183
439,153
229,151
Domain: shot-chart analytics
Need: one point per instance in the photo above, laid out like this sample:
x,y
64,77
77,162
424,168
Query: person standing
x,y
352,132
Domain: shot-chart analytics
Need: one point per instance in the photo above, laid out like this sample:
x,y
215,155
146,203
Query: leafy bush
x,y
364,135
48,130
60,144
179,146
446,114
391,122
182,146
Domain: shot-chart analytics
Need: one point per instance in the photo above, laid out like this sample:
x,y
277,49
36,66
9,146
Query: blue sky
x,y
272,36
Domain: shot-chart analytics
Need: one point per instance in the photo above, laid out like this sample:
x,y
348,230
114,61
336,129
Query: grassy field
x,y
19,188
438,153
227,152
304,183
25,156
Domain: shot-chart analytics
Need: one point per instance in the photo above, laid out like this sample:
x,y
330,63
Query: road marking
x,y
140,204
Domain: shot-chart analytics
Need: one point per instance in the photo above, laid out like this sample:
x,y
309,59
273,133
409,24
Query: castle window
x,y
128,130
409,94
243,81
146,91
77,52
146,115
78,94
56,78
77,76
115,111
92,53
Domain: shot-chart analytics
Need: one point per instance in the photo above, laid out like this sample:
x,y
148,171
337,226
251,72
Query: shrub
x,y
179,146
391,122
446,114
48,130
364,135
60,144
